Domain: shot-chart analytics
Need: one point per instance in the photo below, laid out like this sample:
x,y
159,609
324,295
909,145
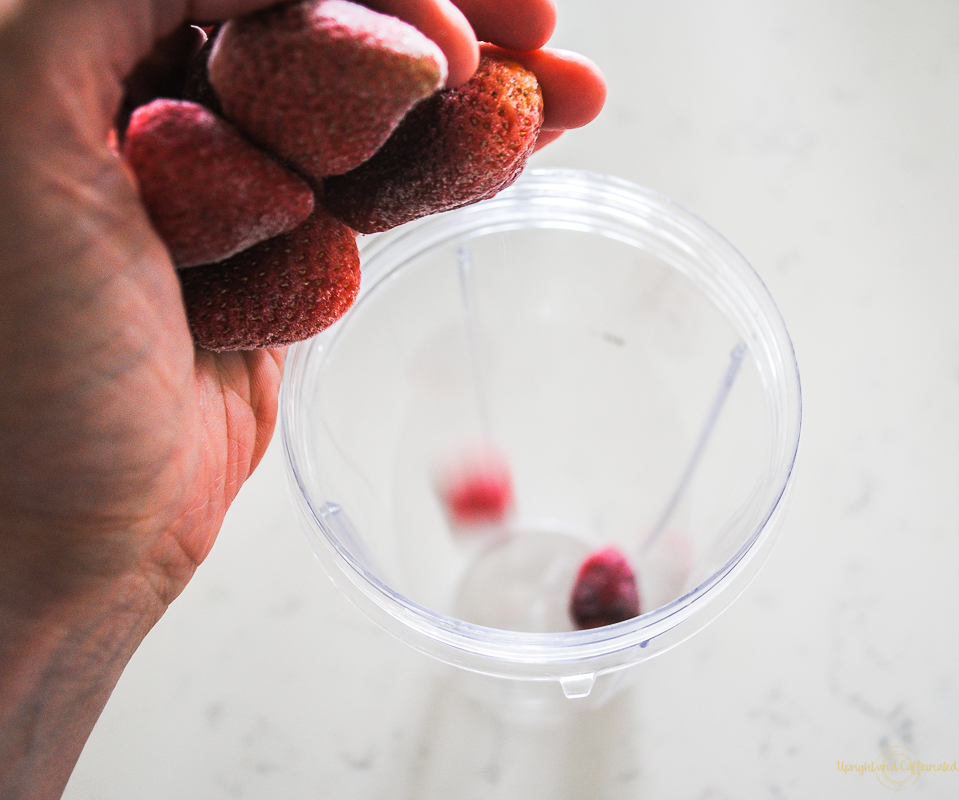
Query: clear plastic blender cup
x,y
578,326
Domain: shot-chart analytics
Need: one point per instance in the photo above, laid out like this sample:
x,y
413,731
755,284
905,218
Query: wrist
x,y
59,663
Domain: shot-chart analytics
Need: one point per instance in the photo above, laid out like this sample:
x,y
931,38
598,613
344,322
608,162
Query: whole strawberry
x,y
322,83
281,291
209,192
456,148
605,591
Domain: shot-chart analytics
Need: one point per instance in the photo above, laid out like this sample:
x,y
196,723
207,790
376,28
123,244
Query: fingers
x,y
545,137
513,24
574,89
519,25
171,14
445,24
438,20
219,10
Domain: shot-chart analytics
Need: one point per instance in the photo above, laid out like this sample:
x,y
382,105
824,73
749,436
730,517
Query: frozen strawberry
x,y
459,146
323,83
281,291
477,490
605,591
209,192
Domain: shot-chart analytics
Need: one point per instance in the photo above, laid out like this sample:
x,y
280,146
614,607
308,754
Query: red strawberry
x,y
209,192
279,292
322,83
478,490
605,591
458,147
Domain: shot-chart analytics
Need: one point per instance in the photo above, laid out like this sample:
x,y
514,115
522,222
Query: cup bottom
x,y
522,581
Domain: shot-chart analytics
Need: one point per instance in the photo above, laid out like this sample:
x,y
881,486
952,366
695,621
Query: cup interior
x,y
615,356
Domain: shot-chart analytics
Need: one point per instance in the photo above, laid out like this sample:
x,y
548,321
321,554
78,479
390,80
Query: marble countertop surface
x,y
822,139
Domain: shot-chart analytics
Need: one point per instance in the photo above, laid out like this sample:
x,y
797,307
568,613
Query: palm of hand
x,y
124,446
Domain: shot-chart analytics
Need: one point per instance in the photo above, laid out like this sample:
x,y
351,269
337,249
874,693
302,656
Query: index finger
x,y
521,25
445,24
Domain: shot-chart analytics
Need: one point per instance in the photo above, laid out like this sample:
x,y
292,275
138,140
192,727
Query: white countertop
x,y
822,139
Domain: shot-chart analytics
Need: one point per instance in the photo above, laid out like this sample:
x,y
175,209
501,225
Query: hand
x,y
122,446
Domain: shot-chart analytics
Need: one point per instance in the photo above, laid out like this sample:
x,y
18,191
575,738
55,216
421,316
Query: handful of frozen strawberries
x,y
307,123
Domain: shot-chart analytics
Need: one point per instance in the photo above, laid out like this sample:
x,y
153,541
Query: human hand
x,y
121,445
125,446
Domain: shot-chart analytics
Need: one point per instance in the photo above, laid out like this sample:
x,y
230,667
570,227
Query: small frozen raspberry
x,y
605,591
478,490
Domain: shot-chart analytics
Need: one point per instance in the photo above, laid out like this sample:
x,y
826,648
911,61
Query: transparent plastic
x,y
582,338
